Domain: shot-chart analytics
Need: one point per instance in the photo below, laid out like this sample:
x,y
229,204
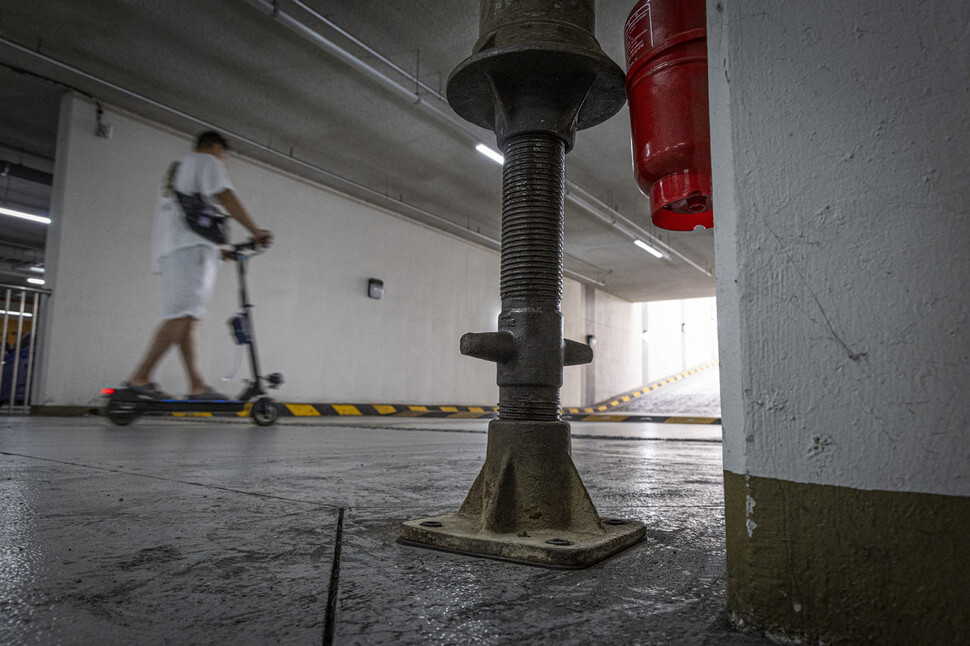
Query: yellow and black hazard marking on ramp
x,y
638,417
605,411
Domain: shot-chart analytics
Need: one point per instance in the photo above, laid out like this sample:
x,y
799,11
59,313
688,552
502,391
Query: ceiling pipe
x,y
272,9
20,254
8,148
370,50
574,193
13,169
380,198
608,214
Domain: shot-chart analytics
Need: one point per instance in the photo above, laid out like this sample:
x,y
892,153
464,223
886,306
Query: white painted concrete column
x,y
839,140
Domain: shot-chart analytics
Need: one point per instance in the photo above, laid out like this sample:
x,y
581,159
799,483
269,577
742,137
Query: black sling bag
x,y
202,217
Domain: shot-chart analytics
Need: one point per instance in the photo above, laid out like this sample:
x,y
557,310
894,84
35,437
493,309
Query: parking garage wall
x,y
313,319
615,326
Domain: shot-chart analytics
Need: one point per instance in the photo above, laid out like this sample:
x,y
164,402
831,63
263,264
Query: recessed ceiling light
x,y
25,216
494,155
643,245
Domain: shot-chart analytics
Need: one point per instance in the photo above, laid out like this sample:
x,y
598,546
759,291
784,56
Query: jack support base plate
x,y
551,548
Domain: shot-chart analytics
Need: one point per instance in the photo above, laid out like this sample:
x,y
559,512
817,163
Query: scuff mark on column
x,y
749,512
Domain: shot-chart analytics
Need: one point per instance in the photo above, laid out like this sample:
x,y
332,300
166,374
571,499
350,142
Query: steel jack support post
x,y
536,76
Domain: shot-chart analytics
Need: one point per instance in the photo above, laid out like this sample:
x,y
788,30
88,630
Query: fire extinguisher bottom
x,y
682,201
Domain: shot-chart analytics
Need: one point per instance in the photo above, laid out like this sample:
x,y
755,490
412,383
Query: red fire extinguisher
x,y
666,84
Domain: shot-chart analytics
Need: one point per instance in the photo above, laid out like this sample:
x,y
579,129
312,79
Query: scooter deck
x,y
123,407
144,406
189,406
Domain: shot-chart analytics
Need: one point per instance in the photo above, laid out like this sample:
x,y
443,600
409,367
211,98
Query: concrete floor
x,y
223,533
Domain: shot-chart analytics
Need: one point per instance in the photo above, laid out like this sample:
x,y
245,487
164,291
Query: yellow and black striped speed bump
x,y
368,410
602,412
450,412
391,410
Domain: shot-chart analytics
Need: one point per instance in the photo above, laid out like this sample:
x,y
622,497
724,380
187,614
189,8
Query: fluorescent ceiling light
x,y
25,216
643,245
6,313
491,154
37,269
35,281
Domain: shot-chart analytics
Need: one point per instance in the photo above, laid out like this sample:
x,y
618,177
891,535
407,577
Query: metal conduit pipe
x,y
600,210
13,169
370,50
591,204
355,62
484,240
8,147
574,193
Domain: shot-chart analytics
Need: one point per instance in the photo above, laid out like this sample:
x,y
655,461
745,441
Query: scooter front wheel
x,y
265,411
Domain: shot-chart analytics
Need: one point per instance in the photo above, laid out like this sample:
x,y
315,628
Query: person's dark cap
x,y
210,137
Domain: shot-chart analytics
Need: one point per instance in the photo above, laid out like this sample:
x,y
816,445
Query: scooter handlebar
x,y
237,250
244,246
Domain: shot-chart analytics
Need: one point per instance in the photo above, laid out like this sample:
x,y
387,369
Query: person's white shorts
x,y
188,276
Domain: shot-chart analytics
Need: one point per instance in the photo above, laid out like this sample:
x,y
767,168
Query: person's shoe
x,y
150,391
209,396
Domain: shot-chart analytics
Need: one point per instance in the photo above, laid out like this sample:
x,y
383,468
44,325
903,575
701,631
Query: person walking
x,y
187,264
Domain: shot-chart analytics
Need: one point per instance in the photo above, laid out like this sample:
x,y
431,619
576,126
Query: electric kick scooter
x,y
123,405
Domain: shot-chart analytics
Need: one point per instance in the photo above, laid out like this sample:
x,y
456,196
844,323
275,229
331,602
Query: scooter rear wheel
x,y
265,411
121,414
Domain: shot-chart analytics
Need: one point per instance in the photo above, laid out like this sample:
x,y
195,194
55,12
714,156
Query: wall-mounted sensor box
x,y
375,288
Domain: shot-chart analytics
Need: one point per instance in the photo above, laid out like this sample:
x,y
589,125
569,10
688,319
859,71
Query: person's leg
x,y
175,313
189,348
188,277
169,333
204,263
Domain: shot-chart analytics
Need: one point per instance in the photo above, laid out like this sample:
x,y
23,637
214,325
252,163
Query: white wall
x,y
574,327
840,144
314,322
679,335
618,367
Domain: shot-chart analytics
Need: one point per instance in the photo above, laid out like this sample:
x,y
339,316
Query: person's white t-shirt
x,y
197,173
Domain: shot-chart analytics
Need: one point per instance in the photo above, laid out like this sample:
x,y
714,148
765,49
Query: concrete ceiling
x,y
233,65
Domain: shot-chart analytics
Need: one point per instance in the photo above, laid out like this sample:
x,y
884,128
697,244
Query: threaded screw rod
x,y
533,182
